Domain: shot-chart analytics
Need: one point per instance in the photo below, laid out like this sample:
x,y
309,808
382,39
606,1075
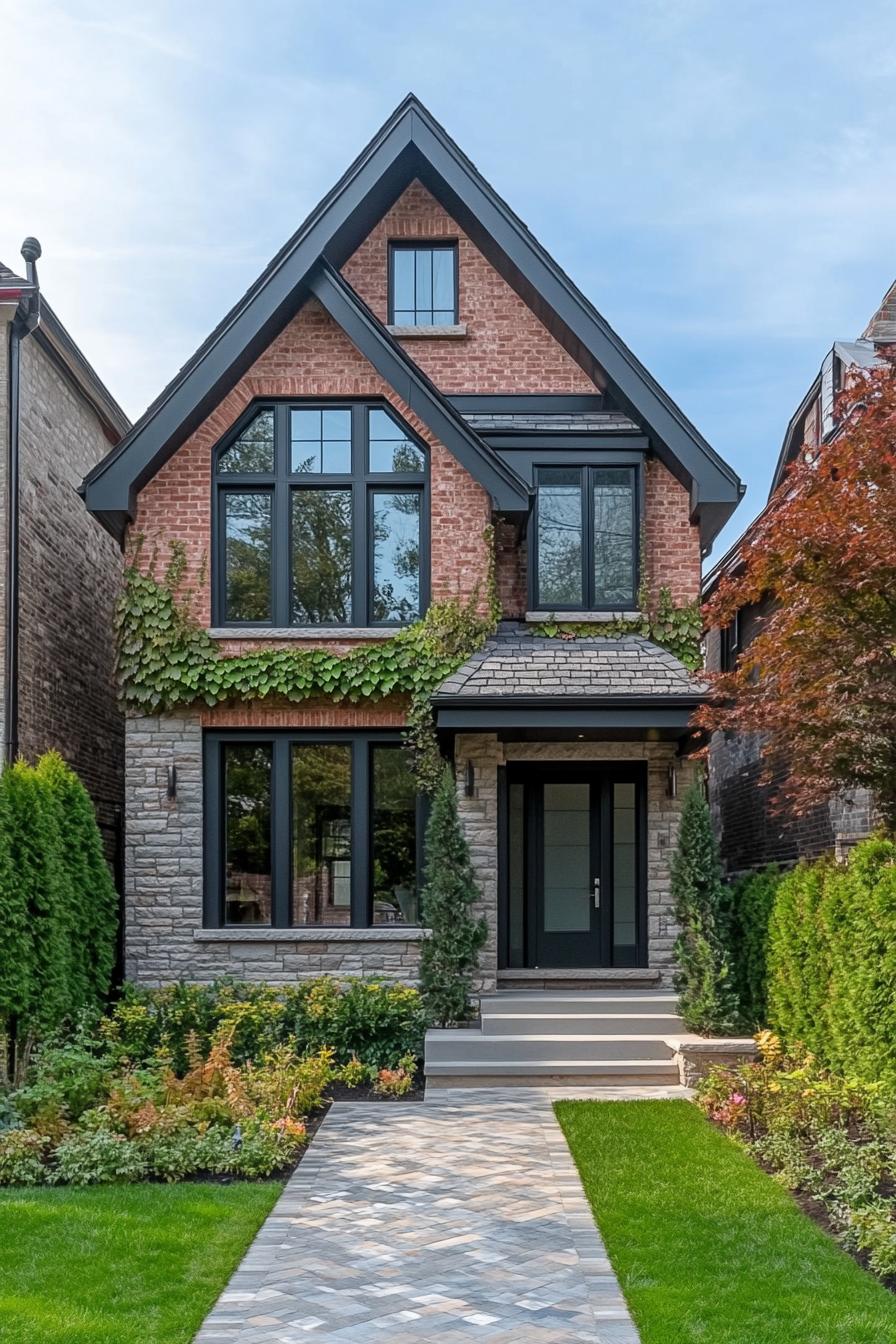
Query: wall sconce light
x,y
172,783
469,781
672,782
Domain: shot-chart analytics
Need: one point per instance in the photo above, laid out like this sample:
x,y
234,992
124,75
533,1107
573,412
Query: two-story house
x,y
412,394
753,821
59,570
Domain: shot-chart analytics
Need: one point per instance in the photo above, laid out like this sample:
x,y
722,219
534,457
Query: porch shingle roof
x,y
517,662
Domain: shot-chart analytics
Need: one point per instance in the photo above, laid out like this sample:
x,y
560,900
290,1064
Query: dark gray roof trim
x,y
508,491
410,145
518,667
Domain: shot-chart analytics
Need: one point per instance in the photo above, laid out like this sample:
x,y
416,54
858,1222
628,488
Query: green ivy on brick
x,y
166,659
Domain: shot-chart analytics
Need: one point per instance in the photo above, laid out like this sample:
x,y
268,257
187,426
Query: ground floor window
x,y
310,830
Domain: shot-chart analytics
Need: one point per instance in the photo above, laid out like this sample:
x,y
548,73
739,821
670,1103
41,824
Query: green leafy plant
x,y
97,1157
750,903
706,996
22,1157
166,659
372,1022
450,955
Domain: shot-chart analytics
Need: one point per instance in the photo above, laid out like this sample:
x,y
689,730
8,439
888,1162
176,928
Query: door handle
x,y
597,893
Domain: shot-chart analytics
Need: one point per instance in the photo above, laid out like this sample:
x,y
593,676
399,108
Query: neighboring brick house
x,y
59,570
409,370
754,825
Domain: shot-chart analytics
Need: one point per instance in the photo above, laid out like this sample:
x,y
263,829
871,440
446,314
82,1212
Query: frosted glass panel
x,y
567,858
625,868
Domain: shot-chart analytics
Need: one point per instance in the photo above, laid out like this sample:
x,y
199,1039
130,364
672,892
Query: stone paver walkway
x,y
459,1220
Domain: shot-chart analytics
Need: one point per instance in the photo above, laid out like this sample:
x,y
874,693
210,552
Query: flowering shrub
x,y
828,1137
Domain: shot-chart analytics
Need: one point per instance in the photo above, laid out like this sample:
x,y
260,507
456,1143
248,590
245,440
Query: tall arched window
x,y
321,518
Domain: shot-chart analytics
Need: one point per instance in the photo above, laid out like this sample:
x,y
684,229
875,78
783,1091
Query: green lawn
x,y
125,1264
707,1247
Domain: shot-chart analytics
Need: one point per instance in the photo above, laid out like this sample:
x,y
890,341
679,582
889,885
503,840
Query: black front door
x,y
573,876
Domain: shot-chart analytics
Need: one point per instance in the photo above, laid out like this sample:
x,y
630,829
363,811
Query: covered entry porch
x,y
571,761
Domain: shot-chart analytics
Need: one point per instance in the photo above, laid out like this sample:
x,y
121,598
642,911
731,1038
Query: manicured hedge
x,y
751,900
58,906
832,961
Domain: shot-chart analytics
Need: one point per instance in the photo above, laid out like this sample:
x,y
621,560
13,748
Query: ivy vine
x,y
166,659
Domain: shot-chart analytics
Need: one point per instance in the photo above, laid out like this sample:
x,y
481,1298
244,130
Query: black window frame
x,y
281,485
729,644
587,472
214,823
421,245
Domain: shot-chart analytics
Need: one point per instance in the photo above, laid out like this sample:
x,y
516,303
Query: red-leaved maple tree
x,y
818,682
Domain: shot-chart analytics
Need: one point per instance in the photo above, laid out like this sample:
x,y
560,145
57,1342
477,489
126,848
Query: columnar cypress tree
x,y
36,856
706,996
93,915
450,956
16,948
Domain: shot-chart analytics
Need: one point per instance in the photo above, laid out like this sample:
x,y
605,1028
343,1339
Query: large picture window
x,y
310,830
321,518
586,539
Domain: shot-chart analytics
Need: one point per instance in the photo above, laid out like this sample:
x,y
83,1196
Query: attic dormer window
x,y
423,284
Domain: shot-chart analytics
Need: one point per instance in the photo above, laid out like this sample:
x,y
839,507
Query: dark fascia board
x,y
55,339
794,424
496,716
510,494
410,145
624,702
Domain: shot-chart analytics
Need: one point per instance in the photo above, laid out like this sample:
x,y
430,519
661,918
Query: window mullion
x,y
281,578
360,613
281,837
360,833
588,537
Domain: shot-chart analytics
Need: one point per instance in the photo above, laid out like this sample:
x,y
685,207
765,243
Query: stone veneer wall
x,y
164,937
479,816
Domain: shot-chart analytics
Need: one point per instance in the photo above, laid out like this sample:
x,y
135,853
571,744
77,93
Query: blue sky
x,y
720,180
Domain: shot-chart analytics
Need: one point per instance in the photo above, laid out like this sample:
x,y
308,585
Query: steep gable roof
x,y
410,145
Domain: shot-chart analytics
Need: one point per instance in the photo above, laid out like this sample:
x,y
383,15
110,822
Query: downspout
x,y
24,322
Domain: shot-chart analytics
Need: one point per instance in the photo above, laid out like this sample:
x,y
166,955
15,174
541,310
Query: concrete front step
x,y
477,1047
548,1073
542,1003
582,1024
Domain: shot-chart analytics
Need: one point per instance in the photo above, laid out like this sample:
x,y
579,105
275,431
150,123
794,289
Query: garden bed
x,y
705,1244
206,1083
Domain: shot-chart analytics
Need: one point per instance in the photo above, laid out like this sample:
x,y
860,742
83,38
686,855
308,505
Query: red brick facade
x,y
506,349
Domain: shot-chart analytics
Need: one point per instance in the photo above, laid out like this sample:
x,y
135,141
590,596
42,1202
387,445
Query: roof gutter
x,y
23,323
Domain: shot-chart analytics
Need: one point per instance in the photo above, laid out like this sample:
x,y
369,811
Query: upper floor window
x,y
586,538
729,640
321,518
423,285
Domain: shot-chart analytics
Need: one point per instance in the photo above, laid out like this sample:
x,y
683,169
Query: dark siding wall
x,y
70,574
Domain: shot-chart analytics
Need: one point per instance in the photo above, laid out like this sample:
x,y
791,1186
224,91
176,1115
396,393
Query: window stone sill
x,y
580,617
455,332
382,933
304,632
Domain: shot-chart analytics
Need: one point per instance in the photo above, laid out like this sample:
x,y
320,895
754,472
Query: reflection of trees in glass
x,y
321,822
390,447
613,536
247,860
322,556
393,820
559,538
248,556
254,449
396,556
